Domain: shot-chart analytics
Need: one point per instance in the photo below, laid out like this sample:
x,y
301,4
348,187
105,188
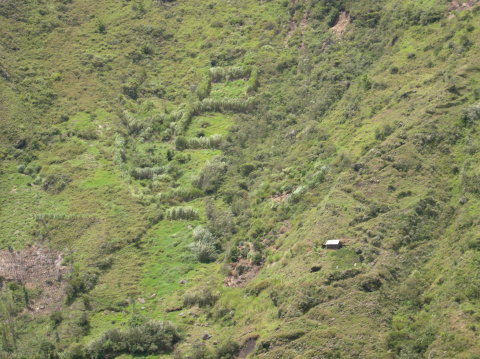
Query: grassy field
x,y
171,148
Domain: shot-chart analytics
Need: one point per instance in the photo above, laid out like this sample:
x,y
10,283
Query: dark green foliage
x,y
342,275
56,318
131,87
382,133
471,114
153,337
48,350
147,172
368,135
211,175
227,350
56,183
101,27
220,222
371,284
185,213
80,282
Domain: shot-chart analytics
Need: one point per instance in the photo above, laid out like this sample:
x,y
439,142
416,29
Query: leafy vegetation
x,y
189,159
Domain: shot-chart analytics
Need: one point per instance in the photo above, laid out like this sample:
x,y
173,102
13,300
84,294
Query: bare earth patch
x,y
341,26
458,6
241,273
279,198
247,347
39,269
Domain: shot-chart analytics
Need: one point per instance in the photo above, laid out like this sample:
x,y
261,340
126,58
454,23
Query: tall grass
x,y
318,177
211,175
144,127
183,117
180,193
182,213
203,297
148,172
120,149
214,141
252,83
42,217
218,74
132,123
225,104
204,88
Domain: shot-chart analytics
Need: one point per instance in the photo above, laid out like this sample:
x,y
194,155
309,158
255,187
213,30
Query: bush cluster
x,y
211,175
152,337
204,245
182,213
218,74
471,114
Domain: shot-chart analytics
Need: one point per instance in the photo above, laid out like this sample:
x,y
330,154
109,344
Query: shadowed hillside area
x,y
170,171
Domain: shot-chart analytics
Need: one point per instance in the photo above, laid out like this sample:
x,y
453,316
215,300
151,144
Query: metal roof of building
x,y
333,241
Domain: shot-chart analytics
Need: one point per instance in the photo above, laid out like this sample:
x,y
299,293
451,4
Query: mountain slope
x,y
185,161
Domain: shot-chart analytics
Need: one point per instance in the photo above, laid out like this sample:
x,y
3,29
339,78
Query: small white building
x,y
333,244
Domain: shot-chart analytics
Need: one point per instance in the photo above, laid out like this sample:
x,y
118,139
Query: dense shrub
x,y
152,337
211,175
225,104
220,222
253,82
181,143
200,233
181,193
227,350
382,133
204,252
471,114
204,245
148,172
55,183
80,282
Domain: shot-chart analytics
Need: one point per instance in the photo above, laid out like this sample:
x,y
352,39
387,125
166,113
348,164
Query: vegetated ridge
x,y
170,171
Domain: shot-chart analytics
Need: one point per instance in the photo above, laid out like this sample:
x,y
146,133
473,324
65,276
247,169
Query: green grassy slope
x,y
125,125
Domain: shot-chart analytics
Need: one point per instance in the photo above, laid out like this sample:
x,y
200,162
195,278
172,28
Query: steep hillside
x,y
170,171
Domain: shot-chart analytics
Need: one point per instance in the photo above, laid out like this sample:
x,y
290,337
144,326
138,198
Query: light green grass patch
x,y
228,89
210,124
